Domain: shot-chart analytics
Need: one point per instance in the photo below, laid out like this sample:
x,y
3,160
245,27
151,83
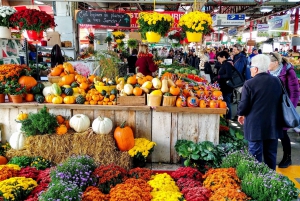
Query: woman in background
x,y
145,63
280,68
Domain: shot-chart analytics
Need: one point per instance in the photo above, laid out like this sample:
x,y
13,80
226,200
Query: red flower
x,y
187,172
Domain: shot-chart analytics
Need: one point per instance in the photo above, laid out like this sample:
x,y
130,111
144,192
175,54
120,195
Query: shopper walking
x,y
259,111
240,61
224,74
279,67
132,60
145,63
194,61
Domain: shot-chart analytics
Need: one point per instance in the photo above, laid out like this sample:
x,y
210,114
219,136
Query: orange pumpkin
x,y
202,104
180,83
192,101
29,97
131,80
84,85
137,91
69,69
67,124
28,81
61,129
3,160
60,119
91,78
166,75
124,137
68,79
56,71
213,104
222,104
217,93
200,93
174,90
180,102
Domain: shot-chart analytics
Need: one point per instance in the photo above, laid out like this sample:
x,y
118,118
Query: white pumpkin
x,y
80,122
102,125
17,140
47,91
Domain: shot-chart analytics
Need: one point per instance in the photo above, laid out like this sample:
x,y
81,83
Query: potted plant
x,y
2,94
5,13
141,150
195,24
15,90
154,25
118,35
33,21
132,43
108,39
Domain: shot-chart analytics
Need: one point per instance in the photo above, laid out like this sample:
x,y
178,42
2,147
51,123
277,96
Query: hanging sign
x,y
279,25
103,18
262,30
232,32
227,20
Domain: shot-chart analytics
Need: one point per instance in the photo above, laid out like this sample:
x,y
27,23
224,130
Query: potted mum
x,y
154,25
33,21
195,24
141,150
15,90
5,13
118,36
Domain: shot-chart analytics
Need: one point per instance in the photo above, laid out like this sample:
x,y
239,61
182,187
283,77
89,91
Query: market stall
x,y
163,125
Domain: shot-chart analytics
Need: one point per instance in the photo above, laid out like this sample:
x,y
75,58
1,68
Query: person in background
x,y
194,61
224,74
212,56
164,52
207,68
171,54
188,56
132,60
290,52
240,61
280,68
259,111
276,50
145,63
254,52
259,51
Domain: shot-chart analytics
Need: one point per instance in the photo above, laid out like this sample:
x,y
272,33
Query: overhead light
x,y
159,8
216,9
266,9
293,0
247,17
38,2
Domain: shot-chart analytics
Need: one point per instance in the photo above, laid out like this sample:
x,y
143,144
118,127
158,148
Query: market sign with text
x,y
262,30
228,20
134,15
279,25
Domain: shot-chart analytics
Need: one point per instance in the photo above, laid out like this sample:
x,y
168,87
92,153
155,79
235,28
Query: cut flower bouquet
x,y
142,148
5,13
118,35
32,19
196,21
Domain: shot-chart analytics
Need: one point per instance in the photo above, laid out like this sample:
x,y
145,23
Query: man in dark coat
x,y
260,111
240,61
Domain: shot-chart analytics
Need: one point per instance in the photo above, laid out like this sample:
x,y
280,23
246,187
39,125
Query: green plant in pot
x,y
132,43
108,39
2,88
12,87
188,150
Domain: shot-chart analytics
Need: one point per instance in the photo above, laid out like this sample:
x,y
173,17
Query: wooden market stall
x,y
163,125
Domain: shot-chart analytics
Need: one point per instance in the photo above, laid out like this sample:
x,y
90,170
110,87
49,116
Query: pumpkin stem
x,y
123,124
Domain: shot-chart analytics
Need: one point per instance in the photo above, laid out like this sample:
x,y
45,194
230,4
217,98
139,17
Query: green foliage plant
x,y
108,39
40,163
132,43
39,123
22,161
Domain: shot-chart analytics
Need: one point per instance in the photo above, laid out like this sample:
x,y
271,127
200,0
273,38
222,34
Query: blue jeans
x,y
266,148
227,99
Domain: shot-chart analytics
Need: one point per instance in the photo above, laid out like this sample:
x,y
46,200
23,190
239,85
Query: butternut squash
x,y
164,85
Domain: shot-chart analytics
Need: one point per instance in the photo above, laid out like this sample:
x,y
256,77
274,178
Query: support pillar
x,y
296,25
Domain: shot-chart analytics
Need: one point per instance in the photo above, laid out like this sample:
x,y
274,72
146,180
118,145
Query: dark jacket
x,y
240,62
194,61
261,106
146,65
224,74
131,63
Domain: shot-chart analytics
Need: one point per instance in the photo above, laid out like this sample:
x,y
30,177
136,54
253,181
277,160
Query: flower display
x,y
118,36
176,35
29,172
11,71
93,193
5,13
224,194
197,193
16,188
40,163
32,19
155,22
90,37
187,172
7,172
187,183
142,148
140,173
221,179
196,21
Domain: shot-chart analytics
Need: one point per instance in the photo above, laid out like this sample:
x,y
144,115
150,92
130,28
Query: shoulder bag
x,y
290,116
236,79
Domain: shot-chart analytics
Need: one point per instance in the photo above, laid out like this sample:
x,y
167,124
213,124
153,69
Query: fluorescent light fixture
x,y
247,17
38,2
293,0
159,8
265,9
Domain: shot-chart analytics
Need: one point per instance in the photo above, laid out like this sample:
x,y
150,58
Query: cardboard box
x,y
66,44
131,100
53,38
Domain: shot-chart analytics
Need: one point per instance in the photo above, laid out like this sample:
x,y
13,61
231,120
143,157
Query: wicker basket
x,y
169,101
153,100
54,79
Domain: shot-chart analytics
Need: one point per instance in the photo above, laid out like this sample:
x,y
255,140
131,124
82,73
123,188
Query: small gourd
x,y
49,98
56,89
69,99
156,83
124,137
17,140
47,90
128,89
164,85
57,100
61,129
80,99
102,125
80,122
3,160
69,91
22,116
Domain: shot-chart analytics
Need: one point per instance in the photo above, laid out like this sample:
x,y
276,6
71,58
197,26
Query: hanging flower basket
x,y
194,37
153,37
33,35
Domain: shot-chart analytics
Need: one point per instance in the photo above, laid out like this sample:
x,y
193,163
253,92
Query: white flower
x,y
3,15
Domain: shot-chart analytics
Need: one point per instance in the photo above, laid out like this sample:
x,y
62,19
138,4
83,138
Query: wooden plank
x,y
128,116
161,131
64,112
6,133
188,126
209,128
174,136
131,100
143,124
190,110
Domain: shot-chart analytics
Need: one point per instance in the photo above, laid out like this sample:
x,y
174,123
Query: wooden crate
x,y
131,100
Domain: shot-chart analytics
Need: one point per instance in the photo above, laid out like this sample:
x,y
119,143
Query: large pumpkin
x,y
80,122
102,125
3,160
17,140
28,81
124,137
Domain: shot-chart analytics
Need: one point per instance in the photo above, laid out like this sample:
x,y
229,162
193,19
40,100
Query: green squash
x,y
80,99
40,85
114,92
40,99
36,90
69,91
56,89
103,92
74,84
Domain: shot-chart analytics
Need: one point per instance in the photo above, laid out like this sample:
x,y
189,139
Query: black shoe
x,y
285,162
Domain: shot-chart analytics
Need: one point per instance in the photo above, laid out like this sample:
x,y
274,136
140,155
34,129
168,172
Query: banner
x,y
279,25
262,30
